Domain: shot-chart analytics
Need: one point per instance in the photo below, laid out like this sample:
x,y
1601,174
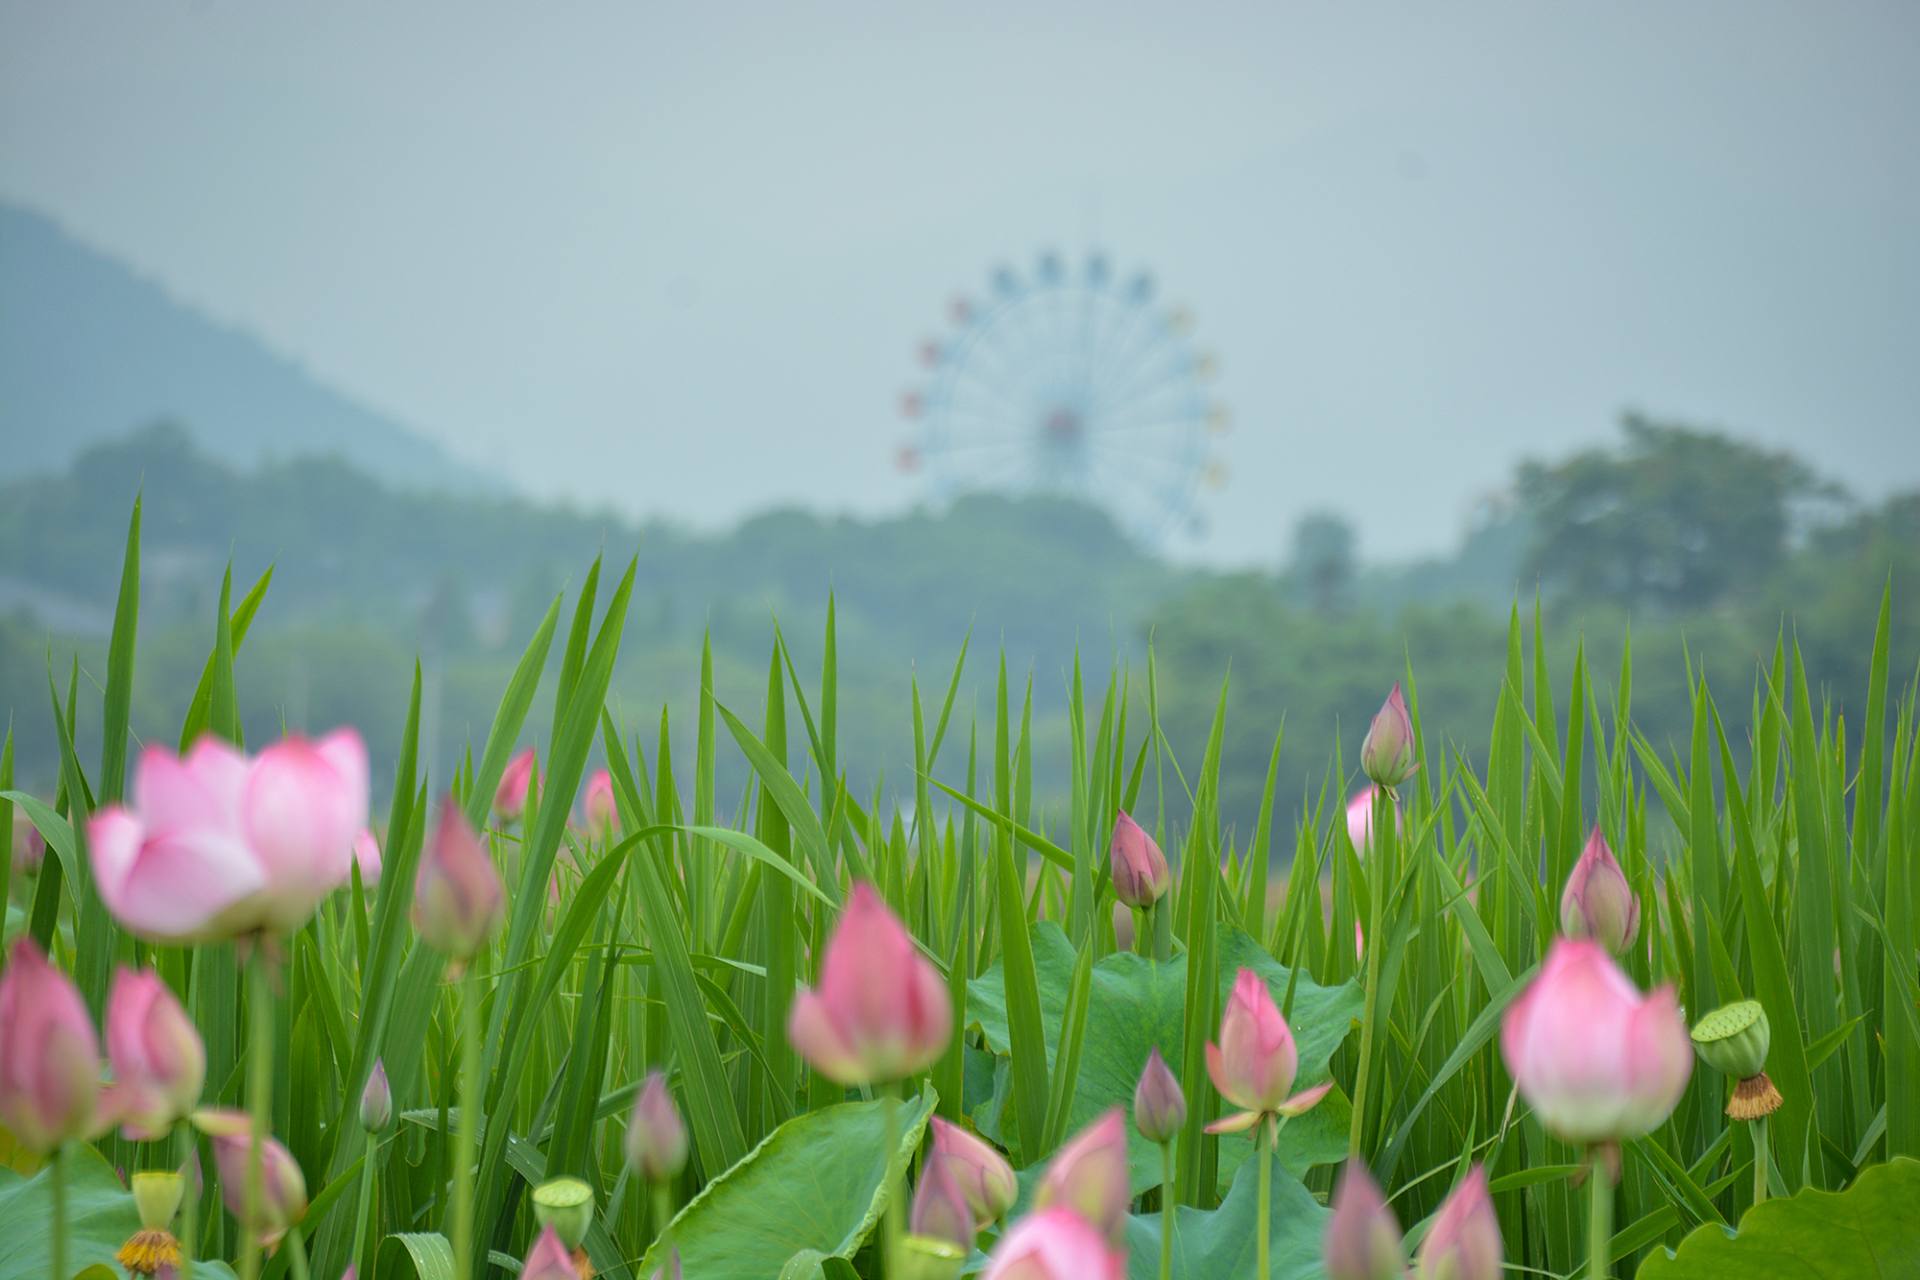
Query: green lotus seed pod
x,y
927,1258
566,1205
1733,1039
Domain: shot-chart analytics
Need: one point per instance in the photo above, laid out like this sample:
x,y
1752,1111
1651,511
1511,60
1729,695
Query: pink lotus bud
x,y
366,856
1464,1241
458,899
1159,1108
1254,1063
510,798
1387,753
29,846
603,815
881,1011
376,1100
656,1136
285,1200
982,1173
1598,902
1363,1237
159,1064
49,1058
1089,1175
940,1209
304,803
1055,1244
1140,874
1122,925
1360,819
1596,1060
549,1259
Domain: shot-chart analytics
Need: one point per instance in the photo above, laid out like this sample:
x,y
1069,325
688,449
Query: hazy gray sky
x,y
678,257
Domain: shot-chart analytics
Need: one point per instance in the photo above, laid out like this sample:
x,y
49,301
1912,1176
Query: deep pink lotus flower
x,y
1055,1244
656,1135
1159,1107
1363,1236
376,1100
285,1200
603,815
366,856
982,1173
940,1210
549,1259
1464,1241
1596,1060
1089,1175
159,1064
458,899
49,1057
1598,902
1255,1061
1387,753
1140,874
510,797
216,846
881,1011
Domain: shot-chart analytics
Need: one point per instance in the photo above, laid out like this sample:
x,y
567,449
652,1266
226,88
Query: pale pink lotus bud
x,y
1122,925
510,797
1387,753
1140,875
1596,1060
284,1201
603,815
304,803
1055,1244
982,1173
1159,1107
49,1058
366,856
29,846
159,1064
1255,1061
376,1100
1598,902
1363,1237
1089,1175
656,1135
458,899
1464,1241
1360,819
549,1259
940,1210
881,1011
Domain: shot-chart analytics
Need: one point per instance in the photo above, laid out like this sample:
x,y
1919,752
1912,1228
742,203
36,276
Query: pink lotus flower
x,y
1140,874
458,899
1055,1244
982,1173
603,815
1159,1107
549,1259
1598,902
49,1058
1597,1061
376,1100
1363,1236
1464,1241
366,856
881,1011
510,797
1254,1063
1089,1175
216,846
285,1200
159,1064
940,1210
656,1135
1387,753
1360,819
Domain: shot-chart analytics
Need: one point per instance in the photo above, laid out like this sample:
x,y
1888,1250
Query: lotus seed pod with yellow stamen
x,y
153,1250
566,1205
1734,1039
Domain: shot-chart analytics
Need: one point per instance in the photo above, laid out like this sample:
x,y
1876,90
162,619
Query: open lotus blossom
x,y
510,797
881,1011
656,1135
1140,873
1387,753
159,1064
1159,1107
982,1173
1598,902
1089,1175
1363,1236
940,1209
285,1200
1055,1244
1464,1241
49,1056
602,814
1254,1064
458,899
216,845
549,1259
366,856
1597,1061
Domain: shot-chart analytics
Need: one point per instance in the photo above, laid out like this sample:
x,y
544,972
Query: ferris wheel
x,y
1070,380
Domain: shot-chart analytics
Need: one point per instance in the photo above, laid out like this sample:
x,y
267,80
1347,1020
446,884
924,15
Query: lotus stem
x,y
466,1135
259,1102
1269,1128
1166,1211
58,1251
1600,1220
1761,1158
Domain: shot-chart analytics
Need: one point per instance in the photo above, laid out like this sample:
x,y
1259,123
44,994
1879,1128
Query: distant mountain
x,y
90,349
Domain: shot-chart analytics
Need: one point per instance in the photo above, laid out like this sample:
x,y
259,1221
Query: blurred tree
x,y
446,620
1322,560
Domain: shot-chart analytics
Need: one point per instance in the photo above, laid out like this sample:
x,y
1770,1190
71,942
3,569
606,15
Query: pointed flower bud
x,y
549,1259
1363,1237
602,814
510,797
1598,902
656,1136
1734,1040
458,899
1159,1107
376,1100
881,1011
1387,753
982,1173
29,846
1055,1244
159,1064
1089,1176
49,1058
1254,1064
1464,1241
1122,925
565,1205
366,856
940,1210
1140,874
285,1199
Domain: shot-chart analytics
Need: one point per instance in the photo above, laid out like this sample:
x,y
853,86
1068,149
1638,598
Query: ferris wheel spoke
x,y
1165,368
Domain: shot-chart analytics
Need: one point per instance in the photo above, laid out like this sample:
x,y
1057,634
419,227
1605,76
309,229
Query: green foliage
x,y
1210,1244
100,1216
